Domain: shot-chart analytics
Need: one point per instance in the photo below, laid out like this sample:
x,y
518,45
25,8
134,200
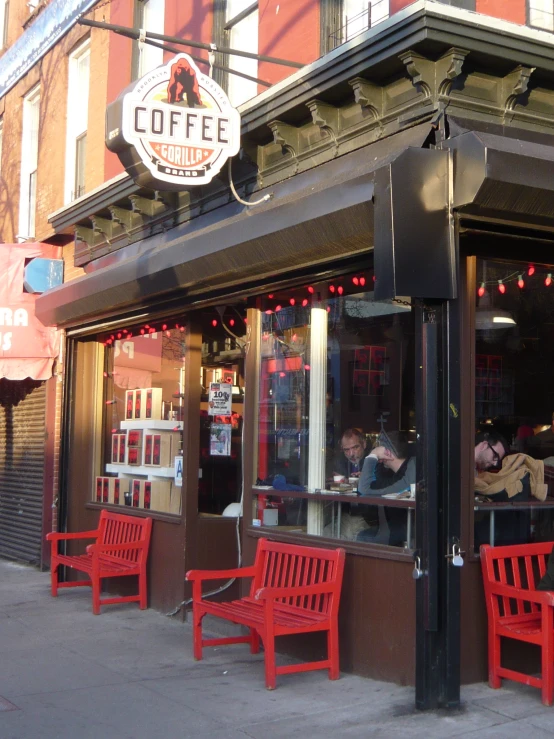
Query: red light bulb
x,y
182,329
118,336
129,334
146,325
340,289
305,302
531,270
270,295
306,366
520,282
142,331
268,312
292,301
481,290
168,334
311,290
282,374
356,280
548,280
278,308
232,322
328,309
214,323
362,281
332,288
501,287
164,327
151,330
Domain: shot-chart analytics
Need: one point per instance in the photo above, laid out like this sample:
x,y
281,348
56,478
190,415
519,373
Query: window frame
x,y
29,163
139,20
75,131
222,30
528,22
4,19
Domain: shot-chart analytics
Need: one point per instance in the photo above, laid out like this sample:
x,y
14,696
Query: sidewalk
x,y
129,674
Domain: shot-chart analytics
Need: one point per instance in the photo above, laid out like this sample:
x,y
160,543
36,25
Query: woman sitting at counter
x,y
388,468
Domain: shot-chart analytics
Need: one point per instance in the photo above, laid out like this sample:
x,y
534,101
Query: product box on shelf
x,y
152,403
129,405
110,490
134,456
118,448
175,500
151,494
134,438
137,413
160,448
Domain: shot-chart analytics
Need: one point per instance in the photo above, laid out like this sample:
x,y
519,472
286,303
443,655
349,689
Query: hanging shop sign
x,y
173,128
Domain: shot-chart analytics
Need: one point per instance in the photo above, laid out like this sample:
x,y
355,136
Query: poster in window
x,y
220,399
220,439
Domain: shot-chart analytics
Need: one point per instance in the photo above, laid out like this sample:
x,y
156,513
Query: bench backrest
x,y
116,528
518,565
288,565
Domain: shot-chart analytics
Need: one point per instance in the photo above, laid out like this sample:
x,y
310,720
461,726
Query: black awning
x,y
496,175
315,217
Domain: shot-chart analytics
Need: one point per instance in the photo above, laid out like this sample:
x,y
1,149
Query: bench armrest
x,y
199,575
542,597
56,536
271,593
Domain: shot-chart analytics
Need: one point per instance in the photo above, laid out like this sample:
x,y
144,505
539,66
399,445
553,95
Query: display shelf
x,y
134,469
149,423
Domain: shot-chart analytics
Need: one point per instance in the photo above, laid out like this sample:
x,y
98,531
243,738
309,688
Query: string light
x,y
501,287
340,289
305,302
270,295
214,323
332,288
356,281
362,281
232,322
292,301
268,312
548,280
164,327
531,270
311,290
278,308
306,366
520,282
481,290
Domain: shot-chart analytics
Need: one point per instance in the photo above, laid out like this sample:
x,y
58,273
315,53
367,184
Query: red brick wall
x,y
509,10
288,30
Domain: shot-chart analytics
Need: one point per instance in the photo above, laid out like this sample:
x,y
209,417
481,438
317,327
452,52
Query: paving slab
x,y
65,673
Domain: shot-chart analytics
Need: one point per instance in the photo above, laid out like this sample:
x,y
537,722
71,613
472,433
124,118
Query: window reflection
x,y
336,380
514,401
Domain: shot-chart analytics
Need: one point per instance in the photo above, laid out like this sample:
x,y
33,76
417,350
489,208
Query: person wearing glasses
x,y
501,477
490,449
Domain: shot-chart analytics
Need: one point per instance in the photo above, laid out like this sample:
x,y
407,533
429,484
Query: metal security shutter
x,y
22,437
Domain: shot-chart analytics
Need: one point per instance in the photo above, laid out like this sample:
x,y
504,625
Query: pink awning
x,y
27,347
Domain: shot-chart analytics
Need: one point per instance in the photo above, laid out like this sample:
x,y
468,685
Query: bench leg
x,y
254,642
333,653
547,655
143,591
54,581
494,659
270,672
197,632
96,596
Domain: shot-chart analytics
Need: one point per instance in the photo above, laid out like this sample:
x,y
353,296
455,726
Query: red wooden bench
x,y
121,549
294,590
517,611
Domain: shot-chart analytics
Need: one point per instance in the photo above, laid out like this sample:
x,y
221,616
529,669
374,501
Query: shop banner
x,y
27,347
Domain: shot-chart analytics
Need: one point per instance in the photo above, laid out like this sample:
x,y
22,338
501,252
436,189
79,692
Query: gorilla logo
x,y
183,81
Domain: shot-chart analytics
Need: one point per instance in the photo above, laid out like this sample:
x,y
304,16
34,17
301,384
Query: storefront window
x,y
514,403
336,383
143,391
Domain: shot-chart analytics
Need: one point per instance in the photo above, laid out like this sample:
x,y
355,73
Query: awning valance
x,y
27,347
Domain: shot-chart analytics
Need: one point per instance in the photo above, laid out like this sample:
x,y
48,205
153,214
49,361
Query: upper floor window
x,y
150,16
241,31
352,18
4,5
541,14
77,122
29,164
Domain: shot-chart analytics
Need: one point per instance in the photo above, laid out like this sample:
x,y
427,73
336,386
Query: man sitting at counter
x,y
490,449
388,468
353,446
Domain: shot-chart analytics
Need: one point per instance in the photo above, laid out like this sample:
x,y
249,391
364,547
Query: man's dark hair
x,y
402,448
353,434
493,437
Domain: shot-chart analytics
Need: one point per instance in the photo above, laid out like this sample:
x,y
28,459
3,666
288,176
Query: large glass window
x,y
144,384
514,403
336,413
541,14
